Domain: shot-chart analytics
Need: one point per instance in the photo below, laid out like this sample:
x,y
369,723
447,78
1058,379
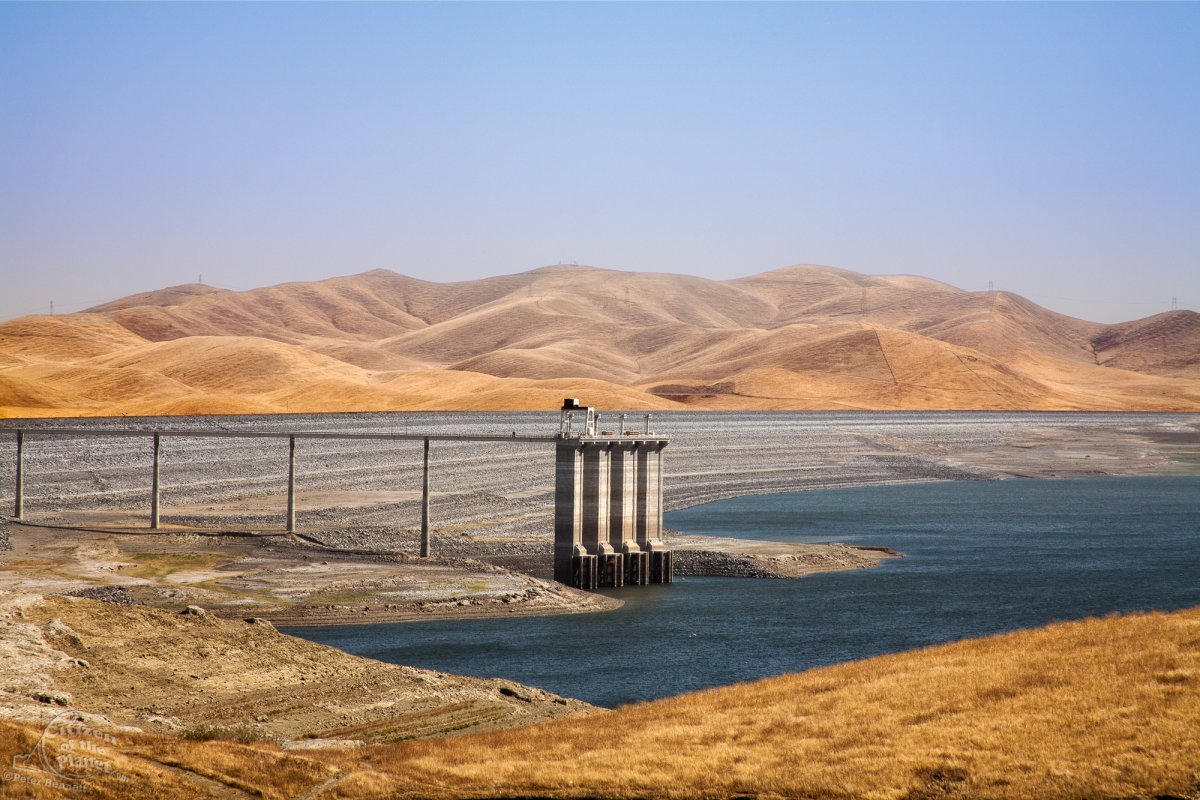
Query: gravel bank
x,y
698,563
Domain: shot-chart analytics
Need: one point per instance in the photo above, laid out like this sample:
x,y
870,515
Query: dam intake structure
x,y
608,503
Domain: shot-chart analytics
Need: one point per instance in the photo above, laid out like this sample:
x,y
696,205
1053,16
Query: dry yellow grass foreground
x,y
1102,708
804,337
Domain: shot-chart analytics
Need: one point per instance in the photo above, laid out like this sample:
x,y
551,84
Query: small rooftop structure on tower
x,y
576,420
608,502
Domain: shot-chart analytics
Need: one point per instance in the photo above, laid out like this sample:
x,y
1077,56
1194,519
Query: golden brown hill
x,y
1165,344
171,296
1098,708
803,337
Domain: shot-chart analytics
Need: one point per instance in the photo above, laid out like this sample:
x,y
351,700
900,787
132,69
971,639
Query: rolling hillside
x,y
803,337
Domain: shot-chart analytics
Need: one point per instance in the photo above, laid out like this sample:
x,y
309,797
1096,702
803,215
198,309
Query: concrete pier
x,y
622,514
607,504
595,503
568,509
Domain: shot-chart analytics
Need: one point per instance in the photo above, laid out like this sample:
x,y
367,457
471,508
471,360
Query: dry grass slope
x,y
797,338
1101,708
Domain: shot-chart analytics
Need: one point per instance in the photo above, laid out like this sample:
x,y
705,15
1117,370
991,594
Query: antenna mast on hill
x,y
1174,303
52,308
990,288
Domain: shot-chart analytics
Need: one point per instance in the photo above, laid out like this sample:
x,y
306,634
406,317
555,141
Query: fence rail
x,y
156,435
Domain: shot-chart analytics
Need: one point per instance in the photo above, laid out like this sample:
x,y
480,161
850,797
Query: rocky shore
x,y
703,556
709,563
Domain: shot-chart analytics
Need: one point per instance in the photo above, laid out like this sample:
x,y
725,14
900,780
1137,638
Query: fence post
x,y
291,503
425,505
154,487
19,503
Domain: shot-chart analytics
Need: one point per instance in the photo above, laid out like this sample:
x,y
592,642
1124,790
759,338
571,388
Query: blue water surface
x,y
980,558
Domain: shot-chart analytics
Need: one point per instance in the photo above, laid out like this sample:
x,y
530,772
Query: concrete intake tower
x,y
608,503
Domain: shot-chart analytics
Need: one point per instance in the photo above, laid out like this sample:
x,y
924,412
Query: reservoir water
x,y
981,557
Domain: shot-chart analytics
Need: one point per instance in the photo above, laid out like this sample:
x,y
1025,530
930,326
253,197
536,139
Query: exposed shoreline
x,y
760,559
191,675
279,579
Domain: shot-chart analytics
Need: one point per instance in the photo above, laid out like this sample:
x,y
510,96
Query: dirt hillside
x,y
194,675
803,337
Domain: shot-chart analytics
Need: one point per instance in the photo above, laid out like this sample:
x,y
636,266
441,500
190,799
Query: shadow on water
x,y
981,558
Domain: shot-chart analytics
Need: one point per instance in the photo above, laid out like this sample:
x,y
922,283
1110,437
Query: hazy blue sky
x,y
1051,148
